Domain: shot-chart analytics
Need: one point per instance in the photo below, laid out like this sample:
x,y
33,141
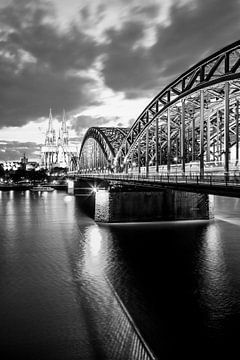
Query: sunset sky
x,y
101,60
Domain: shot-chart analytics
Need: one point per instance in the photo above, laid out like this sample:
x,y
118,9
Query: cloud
x,y
131,48
41,65
194,29
129,68
195,32
83,122
14,150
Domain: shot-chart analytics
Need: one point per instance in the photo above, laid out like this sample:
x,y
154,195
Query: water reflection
x,y
95,242
94,256
215,294
114,329
62,274
10,216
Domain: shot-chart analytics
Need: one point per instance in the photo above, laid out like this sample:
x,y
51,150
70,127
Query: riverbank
x,y
24,187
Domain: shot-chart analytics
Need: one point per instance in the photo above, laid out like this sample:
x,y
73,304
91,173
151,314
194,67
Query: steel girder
x,y
188,105
107,141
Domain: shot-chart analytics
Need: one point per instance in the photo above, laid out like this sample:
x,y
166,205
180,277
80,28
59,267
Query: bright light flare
x,y
94,189
67,199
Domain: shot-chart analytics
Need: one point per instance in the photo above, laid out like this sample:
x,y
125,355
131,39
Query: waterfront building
x,y
57,150
24,161
11,165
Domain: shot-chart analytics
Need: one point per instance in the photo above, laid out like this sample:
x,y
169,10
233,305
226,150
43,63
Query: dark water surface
x,y
64,280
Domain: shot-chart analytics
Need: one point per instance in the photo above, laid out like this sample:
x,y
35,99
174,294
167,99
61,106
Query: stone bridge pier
x,y
165,205
115,203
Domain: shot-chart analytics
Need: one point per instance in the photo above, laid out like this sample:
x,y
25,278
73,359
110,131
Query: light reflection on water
x,y
113,328
179,280
215,287
94,261
56,299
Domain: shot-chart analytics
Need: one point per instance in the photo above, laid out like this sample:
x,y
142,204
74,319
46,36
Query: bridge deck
x,y
212,184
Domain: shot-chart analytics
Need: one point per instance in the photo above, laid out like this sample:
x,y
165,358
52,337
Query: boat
x,y
42,188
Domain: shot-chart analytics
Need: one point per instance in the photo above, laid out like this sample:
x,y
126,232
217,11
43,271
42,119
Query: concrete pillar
x,y
71,186
126,206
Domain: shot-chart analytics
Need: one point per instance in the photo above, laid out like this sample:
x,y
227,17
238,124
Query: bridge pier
x,y
120,203
165,205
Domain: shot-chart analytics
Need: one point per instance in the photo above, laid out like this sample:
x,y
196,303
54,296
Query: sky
x,y
101,60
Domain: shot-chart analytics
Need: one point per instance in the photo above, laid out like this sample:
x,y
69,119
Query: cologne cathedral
x,y
57,152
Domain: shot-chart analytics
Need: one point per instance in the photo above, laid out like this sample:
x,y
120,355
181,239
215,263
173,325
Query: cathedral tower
x,y
50,134
57,152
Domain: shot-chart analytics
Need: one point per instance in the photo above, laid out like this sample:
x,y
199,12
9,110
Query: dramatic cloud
x,y
194,29
40,65
102,60
128,67
195,32
83,122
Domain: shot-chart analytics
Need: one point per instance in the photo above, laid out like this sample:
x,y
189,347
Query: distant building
x,y
32,165
11,165
57,152
22,164
24,161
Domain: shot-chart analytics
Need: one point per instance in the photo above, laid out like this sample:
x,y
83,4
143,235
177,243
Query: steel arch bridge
x,y
191,125
99,148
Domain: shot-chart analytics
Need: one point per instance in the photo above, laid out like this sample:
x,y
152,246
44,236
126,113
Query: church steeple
x,y
50,134
50,126
64,129
57,152
59,140
64,124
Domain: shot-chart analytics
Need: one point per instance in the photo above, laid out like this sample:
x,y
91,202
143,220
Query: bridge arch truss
x,y
99,148
194,120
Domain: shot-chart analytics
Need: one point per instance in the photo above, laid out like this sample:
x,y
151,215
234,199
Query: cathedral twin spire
x,y
50,128
63,131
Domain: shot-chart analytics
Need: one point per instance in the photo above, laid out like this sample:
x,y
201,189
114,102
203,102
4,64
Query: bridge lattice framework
x,y
193,120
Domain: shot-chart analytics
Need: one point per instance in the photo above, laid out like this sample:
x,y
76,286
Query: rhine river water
x,y
64,280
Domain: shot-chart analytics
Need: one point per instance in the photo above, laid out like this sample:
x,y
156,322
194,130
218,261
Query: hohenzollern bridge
x,y
190,129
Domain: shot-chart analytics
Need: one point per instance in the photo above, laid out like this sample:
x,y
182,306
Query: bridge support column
x,y
157,146
201,134
193,139
160,146
208,138
127,206
168,140
218,138
226,129
139,155
71,186
147,152
183,145
237,130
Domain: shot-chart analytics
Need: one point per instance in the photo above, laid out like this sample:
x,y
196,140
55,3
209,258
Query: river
x,y
74,289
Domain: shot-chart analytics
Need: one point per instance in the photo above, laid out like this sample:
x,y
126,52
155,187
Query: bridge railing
x,y
222,180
